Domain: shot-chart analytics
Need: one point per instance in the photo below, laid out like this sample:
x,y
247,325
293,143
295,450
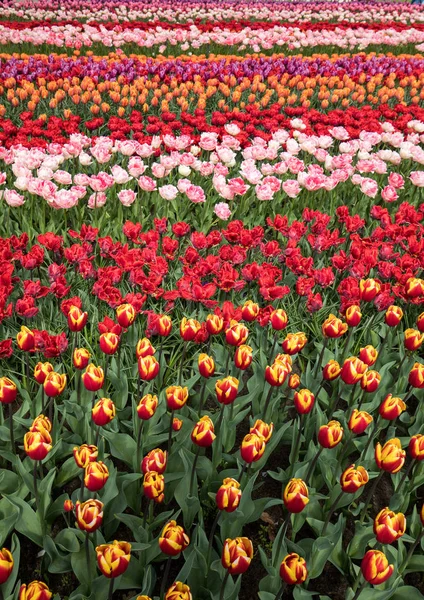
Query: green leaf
x,y
28,522
67,540
407,591
122,446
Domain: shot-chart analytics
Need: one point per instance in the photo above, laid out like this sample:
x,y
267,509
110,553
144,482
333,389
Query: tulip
x,y
41,423
352,479
164,325
262,429
228,495
412,339
147,407
369,289
333,327
144,348
416,446
103,412
375,567
359,421
236,334
206,365
41,370
276,374
6,565
143,597
113,559
330,435
252,448
390,457
173,539
176,397
177,591
284,359
279,319
109,342
294,343
36,590
420,322
176,424
125,315
26,339
8,390
148,367
416,376
368,355
81,358
296,495
226,390
214,324
331,370
414,287
203,432
68,506
95,476
77,319
189,328
353,370
243,357
391,407
154,486
304,401
54,384
237,555
370,381
249,311
294,381
37,444
85,454
89,515
93,378
353,315
393,316
155,460
388,526
293,569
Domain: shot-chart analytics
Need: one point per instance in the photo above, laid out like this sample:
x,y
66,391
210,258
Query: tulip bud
x,y
176,396
352,370
359,421
8,390
177,591
391,407
144,597
89,515
351,480
41,370
144,348
388,526
393,316
420,322
252,447
76,319
243,357
293,569
226,390
286,360
369,289
206,365
189,328
330,435
390,457
155,460
249,311
41,423
36,590
412,339
296,495
370,381
416,446
109,342
93,378
6,565
294,343
85,454
164,325
103,412
368,355
148,367
37,444
331,370
375,567
176,424
203,433
214,324
276,374
333,327
68,506
304,401
26,339
237,555
147,407
228,495
416,376
173,539
113,559
236,334
81,358
353,315
154,486
414,287
262,429
95,476
125,315
294,381
279,319
54,384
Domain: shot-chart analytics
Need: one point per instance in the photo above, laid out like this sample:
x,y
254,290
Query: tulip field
x,y
211,300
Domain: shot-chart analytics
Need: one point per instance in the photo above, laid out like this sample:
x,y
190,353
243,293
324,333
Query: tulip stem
x,y
202,397
267,401
324,346
165,578
180,376
170,432
330,513
193,471
140,431
297,445
345,447
274,346
118,359
371,492
82,489
284,528
405,475
313,465
410,553
78,388
347,344
12,435
223,586
370,438
281,592
87,553
409,394
359,591
242,472
211,536
42,399
1,594
106,370
27,371
146,511
112,581
34,475
160,360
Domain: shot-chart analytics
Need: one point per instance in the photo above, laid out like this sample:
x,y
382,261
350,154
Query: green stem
x,y
211,536
359,592
12,435
165,578
193,471
318,365
34,475
87,554
410,553
78,388
312,465
180,376
371,492
284,528
81,498
224,583
297,445
370,438
140,431
267,401
274,344
110,595
281,592
202,397
405,475
146,510
330,513
170,432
